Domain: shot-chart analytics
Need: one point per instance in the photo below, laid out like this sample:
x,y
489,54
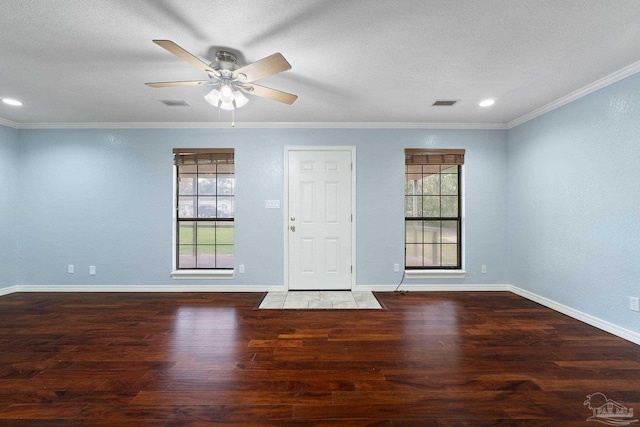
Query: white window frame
x,y
189,273
446,273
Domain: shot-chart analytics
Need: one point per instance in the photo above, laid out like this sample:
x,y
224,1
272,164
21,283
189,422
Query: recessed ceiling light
x,y
487,102
13,102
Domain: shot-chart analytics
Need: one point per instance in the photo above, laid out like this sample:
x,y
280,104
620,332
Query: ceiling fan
x,y
229,80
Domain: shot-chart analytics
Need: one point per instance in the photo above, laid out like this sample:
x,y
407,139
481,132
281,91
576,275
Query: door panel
x,y
307,255
332,202
319,213
332,255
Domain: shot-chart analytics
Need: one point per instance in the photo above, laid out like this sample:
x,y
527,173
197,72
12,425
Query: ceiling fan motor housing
x,y
225,61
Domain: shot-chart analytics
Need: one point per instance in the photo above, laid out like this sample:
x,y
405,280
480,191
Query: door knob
x,y
293,228
293,218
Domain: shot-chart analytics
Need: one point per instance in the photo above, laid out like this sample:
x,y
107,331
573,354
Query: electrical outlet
x,y
634,304
70,269
483,269
241,268
92,270
396,267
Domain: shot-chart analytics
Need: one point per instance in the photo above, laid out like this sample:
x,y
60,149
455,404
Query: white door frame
x,y
285,209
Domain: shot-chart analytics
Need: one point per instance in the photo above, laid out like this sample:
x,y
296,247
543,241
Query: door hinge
x,y
352,269
351,165
351,217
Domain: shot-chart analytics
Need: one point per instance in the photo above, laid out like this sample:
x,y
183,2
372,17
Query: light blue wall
x,y
551,206
8,204
574,204
104,198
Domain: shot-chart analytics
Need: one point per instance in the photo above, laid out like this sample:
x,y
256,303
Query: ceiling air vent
x,y
444,102
174,103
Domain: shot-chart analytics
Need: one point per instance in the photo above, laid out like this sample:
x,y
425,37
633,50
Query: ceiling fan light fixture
x,y
213,97
226,93
240,99
227,106
226,97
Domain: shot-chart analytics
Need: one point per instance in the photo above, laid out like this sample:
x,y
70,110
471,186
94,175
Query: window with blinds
x,y
432,206
205,208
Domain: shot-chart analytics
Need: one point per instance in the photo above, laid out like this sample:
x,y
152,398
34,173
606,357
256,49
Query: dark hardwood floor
x,y
204,359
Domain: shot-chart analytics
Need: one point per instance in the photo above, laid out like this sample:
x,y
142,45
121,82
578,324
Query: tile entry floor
x,y
320,300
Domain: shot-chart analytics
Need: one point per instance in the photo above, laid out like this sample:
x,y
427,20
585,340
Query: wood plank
x,y
431,359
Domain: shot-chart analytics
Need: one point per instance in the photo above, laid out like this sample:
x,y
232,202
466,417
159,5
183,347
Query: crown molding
x,y
262,125
584,91
9,123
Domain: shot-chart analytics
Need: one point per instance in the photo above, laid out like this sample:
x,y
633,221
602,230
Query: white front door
x,y
319,218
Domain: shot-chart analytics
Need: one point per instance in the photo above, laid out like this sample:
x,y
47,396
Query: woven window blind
x,y
416,156
202,156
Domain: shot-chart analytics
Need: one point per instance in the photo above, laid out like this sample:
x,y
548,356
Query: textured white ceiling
x,y
359,61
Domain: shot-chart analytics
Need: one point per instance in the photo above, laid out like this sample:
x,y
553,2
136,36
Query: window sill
x,y
202,274
434,274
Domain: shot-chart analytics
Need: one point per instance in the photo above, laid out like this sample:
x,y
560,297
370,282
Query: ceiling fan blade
x,y
272,94
265,67
185,83
184,55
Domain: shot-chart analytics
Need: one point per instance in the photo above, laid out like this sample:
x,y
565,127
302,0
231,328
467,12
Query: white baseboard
x,y
455,288
145,288
614,329
8,290
433,288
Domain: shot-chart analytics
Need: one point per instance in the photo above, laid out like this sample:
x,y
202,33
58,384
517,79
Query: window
x,y
205,191
433,209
